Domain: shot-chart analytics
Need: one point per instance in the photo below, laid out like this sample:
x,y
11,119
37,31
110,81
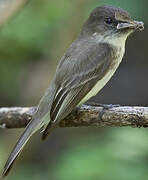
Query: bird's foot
x,y
105,106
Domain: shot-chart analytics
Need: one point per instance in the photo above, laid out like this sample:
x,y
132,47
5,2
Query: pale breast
x,y
102,82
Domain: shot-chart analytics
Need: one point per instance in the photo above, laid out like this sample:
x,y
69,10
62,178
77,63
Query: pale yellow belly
x,y
101,83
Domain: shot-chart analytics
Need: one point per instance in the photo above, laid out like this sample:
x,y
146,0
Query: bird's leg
x,y
105,107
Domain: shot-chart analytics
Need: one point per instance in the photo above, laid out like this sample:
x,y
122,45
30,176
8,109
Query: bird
x,y
85,68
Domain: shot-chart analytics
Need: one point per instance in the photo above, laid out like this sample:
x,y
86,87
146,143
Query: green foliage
x,y
122,156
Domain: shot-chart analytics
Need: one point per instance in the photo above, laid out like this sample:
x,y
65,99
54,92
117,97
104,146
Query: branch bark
x,y
9,8
86,115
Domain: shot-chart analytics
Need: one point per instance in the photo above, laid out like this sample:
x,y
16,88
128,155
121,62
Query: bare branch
x,y
84,116
8,8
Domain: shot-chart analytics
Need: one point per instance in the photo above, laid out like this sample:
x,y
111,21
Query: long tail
x,y
41,118
32,127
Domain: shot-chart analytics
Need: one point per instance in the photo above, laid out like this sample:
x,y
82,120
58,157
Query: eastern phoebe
x,y
82,72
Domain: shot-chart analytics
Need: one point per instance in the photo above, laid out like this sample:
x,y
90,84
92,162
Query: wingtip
x,y
47,131
44,136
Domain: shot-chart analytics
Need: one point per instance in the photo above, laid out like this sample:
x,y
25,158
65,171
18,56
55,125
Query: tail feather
x,y
41,118
32,127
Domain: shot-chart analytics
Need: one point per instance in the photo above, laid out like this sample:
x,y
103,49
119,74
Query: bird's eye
x,y
108,20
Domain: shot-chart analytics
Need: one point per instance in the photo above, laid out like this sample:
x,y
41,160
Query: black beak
x,y
131,25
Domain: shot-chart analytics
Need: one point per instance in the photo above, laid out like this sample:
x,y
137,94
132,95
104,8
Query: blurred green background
x,y
30,47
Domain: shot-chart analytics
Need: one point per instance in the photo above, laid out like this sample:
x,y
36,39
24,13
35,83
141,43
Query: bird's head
x,y
108,21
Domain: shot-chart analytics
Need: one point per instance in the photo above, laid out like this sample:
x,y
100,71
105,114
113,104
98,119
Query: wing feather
x,y
77,79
